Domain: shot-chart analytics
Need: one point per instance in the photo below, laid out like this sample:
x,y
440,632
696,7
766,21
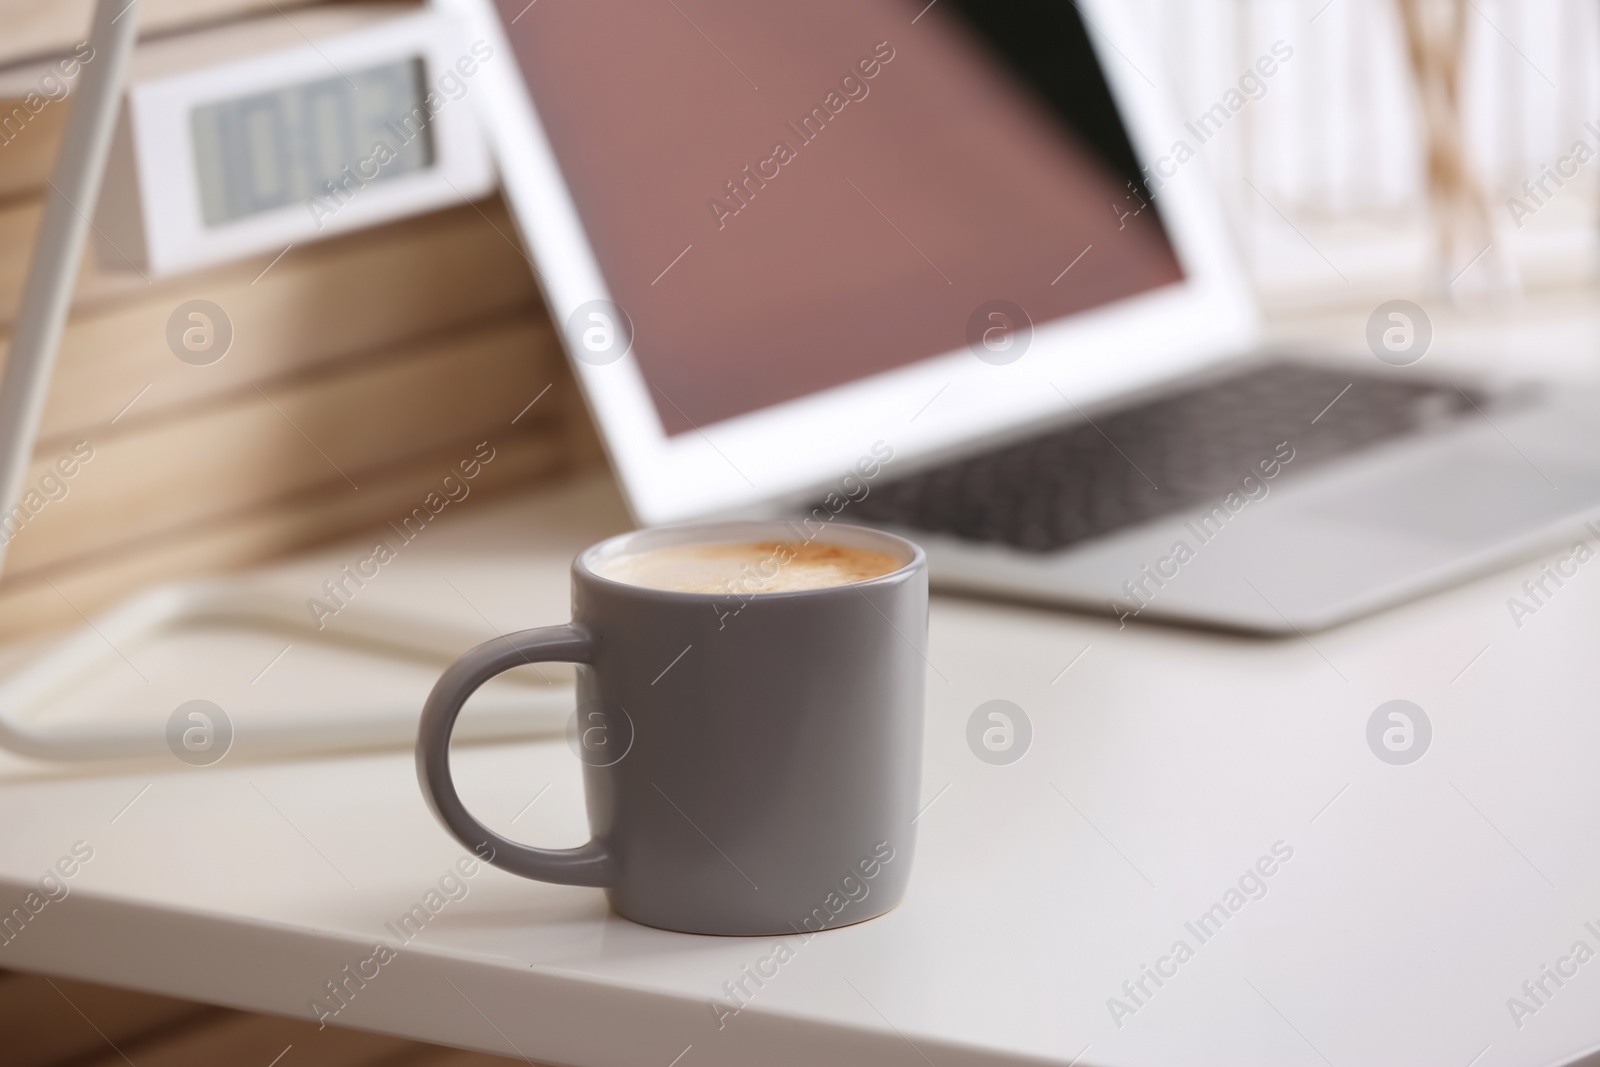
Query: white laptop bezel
x,y
918,410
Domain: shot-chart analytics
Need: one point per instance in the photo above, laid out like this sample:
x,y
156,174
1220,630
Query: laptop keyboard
x,y
1092,478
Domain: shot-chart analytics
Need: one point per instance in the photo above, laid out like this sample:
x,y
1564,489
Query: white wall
x,y
1323,175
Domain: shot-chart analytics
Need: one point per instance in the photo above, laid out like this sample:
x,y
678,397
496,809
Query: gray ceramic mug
x,y
752,762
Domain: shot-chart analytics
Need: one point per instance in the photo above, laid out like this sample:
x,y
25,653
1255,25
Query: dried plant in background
x,y
1435,39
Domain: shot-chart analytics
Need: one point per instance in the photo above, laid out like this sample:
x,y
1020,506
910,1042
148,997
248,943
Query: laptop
x,y
955,269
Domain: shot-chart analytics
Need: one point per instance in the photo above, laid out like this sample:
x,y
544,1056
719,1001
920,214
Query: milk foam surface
x,y
748,567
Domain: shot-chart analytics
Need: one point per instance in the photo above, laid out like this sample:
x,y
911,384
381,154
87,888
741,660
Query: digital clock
x,y
255,136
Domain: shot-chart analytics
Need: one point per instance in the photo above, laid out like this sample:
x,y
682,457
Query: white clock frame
x,y
149,214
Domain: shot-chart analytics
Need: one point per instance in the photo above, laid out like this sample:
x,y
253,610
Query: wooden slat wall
x,y
362,369
33,27
321,302
25,162
55,1022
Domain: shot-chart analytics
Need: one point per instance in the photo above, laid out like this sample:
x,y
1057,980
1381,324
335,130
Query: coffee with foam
x,y
748,567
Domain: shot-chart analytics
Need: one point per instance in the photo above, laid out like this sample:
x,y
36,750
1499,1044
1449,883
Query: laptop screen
x,y
786,198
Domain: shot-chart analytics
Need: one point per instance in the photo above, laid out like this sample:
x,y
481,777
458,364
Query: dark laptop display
x,y
790,197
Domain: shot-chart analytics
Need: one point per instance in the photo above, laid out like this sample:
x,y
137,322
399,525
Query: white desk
x,y
1164,763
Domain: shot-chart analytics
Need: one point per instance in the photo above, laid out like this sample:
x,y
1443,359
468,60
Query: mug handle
x,y
590,864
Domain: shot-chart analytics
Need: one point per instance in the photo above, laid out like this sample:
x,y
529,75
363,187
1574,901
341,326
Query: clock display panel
x,y
308,141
